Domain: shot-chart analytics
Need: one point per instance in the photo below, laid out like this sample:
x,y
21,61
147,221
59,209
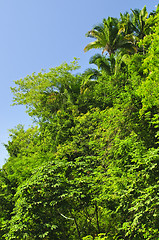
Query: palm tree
x,y
111,65
104,64
134,25
91,74
139,22
126,26
108,38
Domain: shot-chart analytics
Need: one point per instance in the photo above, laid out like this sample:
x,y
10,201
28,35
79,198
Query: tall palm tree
x,y
134,25
108,38
139,22
125,23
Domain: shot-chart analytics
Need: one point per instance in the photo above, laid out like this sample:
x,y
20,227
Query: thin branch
x,y
65,216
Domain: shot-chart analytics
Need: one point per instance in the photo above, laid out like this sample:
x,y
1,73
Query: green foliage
x,y
149,87
100,236
88,168
46,93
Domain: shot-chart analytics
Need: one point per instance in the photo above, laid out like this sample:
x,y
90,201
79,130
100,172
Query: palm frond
x,y
92,45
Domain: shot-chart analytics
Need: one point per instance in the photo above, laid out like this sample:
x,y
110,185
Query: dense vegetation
x,y
88,168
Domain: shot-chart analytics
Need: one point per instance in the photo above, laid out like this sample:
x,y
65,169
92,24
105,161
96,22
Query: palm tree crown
x,y
107,37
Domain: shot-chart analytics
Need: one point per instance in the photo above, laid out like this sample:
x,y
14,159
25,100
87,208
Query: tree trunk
x,y
96,211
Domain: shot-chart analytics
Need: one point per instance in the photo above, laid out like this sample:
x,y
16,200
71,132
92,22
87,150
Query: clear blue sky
x,y
39,34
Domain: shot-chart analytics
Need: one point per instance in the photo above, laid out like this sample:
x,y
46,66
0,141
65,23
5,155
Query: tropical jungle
x,y
88,166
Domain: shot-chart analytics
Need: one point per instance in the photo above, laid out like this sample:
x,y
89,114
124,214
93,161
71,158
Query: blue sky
x,y
40,34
